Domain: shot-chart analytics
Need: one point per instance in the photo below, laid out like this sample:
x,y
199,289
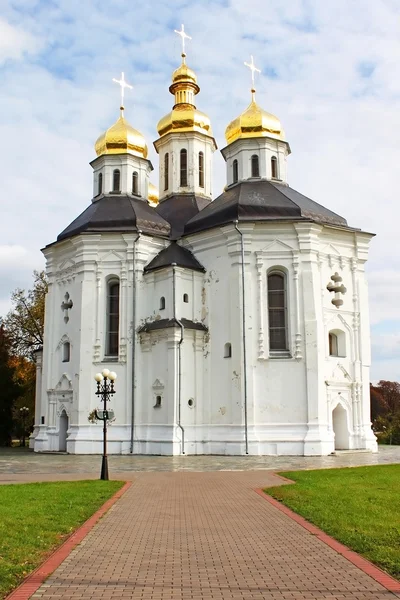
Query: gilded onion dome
x,y
254,122
184,115
153,195
121,138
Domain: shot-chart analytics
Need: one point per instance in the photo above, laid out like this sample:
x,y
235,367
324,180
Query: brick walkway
x,y
193,536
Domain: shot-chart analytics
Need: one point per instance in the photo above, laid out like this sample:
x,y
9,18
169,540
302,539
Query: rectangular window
x,y
113,319
66,352
201,169
184,180
277,312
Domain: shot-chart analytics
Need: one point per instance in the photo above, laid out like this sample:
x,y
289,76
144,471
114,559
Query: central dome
x,y
254,122
185,117
121,138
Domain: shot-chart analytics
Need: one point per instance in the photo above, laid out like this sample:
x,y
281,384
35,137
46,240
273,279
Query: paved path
x,y
193,536
19,464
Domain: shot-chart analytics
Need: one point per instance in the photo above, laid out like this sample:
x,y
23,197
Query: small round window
x,y
191,402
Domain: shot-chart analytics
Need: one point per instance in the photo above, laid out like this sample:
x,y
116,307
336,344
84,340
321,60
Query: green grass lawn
x,y
360,507
35,518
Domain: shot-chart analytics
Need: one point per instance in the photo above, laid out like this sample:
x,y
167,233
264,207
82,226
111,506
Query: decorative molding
x,y
66,306
261,307
297,336
158,385
63,341
111,256
62,408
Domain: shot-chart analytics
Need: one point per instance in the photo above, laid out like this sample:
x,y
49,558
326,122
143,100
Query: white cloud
x,y
336,89
15,42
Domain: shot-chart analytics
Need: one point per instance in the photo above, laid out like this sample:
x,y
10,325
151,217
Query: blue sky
x,y
330,72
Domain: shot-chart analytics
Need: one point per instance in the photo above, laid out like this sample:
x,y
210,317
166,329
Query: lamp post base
x,y
104,468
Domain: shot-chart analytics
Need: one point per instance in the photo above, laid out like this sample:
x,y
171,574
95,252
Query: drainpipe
x,y
244,341
179,360
139,233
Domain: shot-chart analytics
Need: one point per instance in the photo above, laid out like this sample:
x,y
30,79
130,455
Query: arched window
x,y
274,168
162,303
100,184
277,311
66,352
116,180
135,183
158,402
228,350
333,345
337,343
255,167
166,171
185,298
184,181
235,171
112,345
201,169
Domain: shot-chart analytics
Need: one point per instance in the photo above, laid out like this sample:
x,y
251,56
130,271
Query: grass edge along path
x,y
37,518
358,506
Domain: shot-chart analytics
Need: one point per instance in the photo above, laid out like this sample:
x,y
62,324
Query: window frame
x,y
235,171
282,351
183,165
228,350
135,183
66,352
339,338
116,178
166,171
255,165
112,350
274,168
100,184
201,169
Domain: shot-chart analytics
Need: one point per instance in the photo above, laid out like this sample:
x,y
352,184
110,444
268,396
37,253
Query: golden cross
x,y
253,70
122,83
184,36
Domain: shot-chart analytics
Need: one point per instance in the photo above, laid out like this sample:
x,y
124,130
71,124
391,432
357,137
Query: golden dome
x,y
121,138
184,73
184,115
254,122
153,194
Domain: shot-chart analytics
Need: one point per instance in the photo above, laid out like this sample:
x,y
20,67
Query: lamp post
x,y
105,389
24,410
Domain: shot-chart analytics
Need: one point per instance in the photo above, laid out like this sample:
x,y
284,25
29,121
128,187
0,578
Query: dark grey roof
x,y
261,201
174,254
117,213
168,323
179,209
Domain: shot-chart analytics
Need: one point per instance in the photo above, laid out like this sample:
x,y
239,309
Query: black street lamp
x,y
24,410
105,389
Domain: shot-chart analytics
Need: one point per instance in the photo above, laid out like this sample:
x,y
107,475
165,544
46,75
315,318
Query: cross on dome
x,y
253,70
184,36
123,84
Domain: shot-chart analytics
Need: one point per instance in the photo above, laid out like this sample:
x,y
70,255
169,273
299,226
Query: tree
x,y
25,321
379,407
385,411
10,389
390,392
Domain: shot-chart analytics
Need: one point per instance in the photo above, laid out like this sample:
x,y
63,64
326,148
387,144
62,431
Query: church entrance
x,y
339,423
63,432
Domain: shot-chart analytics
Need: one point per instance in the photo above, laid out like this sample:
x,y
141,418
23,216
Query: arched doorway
x,y
339,423
62,437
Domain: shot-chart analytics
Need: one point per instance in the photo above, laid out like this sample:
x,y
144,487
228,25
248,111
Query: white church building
x,y
235,325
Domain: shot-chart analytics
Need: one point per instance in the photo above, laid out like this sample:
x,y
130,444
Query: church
x,y
235,325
